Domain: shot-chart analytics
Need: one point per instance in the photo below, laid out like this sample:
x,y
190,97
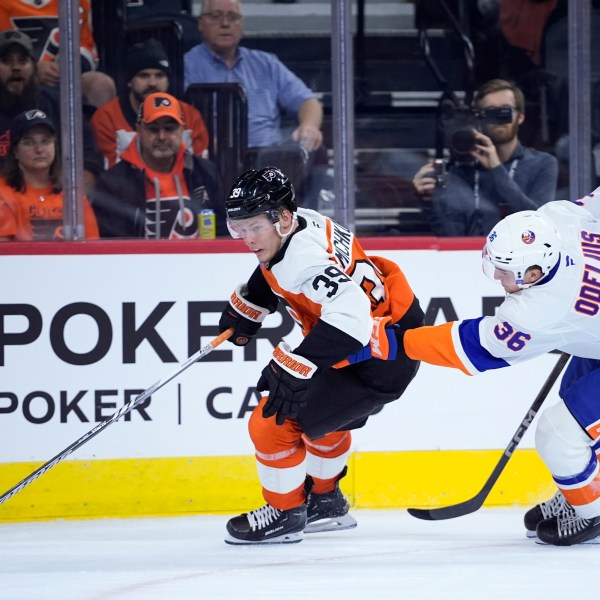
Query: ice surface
x,y
390,555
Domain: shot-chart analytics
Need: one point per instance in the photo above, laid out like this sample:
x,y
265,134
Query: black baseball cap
x,y
27,120
14,37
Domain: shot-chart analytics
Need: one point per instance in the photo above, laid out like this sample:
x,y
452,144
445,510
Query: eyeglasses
x,y
218,16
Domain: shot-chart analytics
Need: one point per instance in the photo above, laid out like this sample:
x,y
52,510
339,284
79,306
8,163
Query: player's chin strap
x,y
285,236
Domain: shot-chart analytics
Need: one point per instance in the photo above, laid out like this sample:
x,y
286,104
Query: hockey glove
x,y
244,317
286,378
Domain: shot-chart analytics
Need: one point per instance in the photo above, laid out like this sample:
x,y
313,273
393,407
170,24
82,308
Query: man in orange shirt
x,y
114,124
158,188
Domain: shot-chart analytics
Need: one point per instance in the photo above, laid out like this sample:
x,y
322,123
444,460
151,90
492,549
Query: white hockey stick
x,y
122,411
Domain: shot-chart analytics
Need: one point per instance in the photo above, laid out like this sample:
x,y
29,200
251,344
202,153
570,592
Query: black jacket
x,y
119,198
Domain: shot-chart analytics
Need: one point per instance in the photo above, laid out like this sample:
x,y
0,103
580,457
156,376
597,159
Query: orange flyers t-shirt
x,y
37,214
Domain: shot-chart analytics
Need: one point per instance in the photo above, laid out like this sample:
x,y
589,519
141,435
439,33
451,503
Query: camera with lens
x,y
461,121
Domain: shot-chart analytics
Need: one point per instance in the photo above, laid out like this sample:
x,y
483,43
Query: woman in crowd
x,y
31,198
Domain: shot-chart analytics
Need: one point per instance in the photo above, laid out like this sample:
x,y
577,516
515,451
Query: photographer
x,y
489,174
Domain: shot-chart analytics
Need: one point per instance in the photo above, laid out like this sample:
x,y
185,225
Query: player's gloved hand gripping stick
x,y
243,316
129,406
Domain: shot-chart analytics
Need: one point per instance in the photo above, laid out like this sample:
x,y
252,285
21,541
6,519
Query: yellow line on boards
x,y
229,484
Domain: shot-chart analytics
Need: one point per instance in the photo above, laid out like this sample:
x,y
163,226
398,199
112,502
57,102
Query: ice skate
x,y
567,530
267,525
557,505
329,511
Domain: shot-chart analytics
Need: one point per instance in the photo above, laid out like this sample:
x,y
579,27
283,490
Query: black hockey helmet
x,y
261,192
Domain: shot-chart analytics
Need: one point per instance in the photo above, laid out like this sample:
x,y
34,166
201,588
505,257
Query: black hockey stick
x,y
129,406
475,503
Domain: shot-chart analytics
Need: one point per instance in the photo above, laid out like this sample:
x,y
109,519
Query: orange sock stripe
x,y
331,445
583,495
322,486
291,460
275,442
285,501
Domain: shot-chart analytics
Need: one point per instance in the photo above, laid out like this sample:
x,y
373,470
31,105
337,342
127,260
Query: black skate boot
x,y
557,505
329,511
267,525
566,530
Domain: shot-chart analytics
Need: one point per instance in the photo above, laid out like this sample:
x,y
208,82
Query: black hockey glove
x,y
286,378
245,317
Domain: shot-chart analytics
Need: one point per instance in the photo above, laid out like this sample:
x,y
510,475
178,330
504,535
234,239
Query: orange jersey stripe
x,y
433,345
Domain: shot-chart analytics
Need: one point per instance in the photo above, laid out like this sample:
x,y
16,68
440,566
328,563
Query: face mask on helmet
x,y
242,228
521,240
263,192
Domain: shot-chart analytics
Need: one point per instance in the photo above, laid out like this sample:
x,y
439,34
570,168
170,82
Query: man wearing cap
x,y
39,18
21,91
158,188
114,124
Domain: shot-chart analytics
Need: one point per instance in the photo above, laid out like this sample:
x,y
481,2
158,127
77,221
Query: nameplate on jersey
x,y
342,245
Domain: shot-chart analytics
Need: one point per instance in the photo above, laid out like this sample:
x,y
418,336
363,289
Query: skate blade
x,y
593,541
288,538
530,534
334,524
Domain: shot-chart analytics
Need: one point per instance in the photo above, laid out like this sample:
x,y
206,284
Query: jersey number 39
x,y
330,280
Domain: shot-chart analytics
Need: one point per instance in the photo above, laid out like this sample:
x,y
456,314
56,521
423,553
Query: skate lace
x,y
262,517
557,505
569,524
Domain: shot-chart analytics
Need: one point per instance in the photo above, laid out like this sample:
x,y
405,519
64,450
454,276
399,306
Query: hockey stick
x,y
475,503
129,406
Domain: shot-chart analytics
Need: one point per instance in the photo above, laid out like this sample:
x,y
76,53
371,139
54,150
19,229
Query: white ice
x,y
390,555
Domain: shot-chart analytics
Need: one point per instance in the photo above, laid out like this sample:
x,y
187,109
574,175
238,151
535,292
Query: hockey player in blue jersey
x,y
548,262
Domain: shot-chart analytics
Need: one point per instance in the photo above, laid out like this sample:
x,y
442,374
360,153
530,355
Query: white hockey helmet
x,y
520,241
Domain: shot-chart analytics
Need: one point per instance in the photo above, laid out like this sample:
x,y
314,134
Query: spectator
x,y
158,188
495,176
21,91
271,88
31,198
40,21
147,67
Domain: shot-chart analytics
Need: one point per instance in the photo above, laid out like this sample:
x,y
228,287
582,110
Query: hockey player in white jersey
x,y
343,300
548,262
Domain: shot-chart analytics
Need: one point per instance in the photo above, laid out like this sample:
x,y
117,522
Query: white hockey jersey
x,y
559,313
323,275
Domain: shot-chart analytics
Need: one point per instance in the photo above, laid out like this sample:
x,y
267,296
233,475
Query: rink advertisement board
x,y
86,327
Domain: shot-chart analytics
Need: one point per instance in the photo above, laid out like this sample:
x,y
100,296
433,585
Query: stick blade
x,y
446,512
